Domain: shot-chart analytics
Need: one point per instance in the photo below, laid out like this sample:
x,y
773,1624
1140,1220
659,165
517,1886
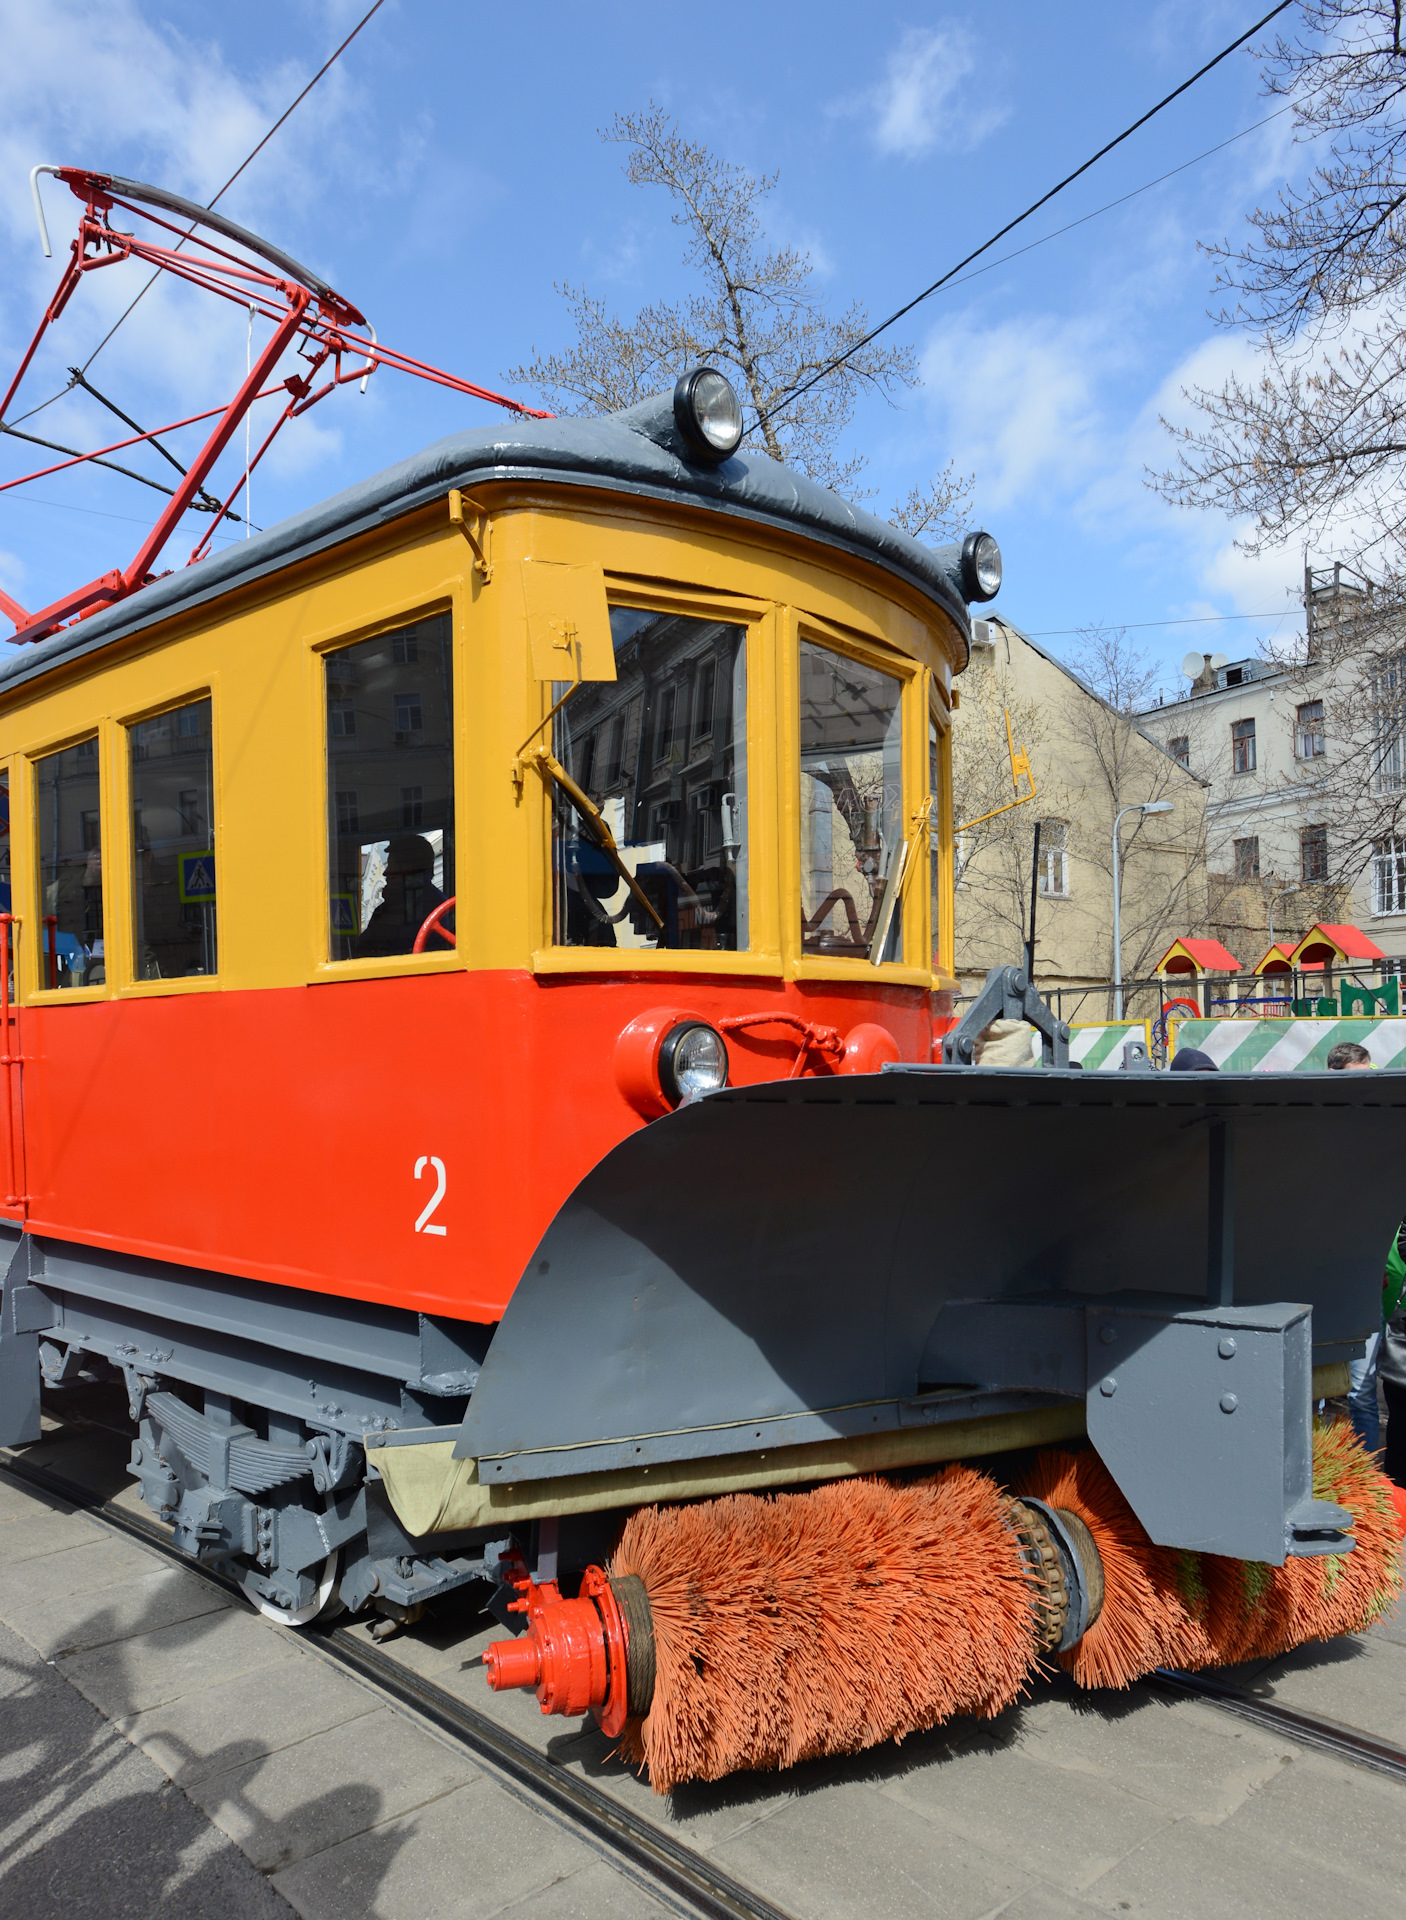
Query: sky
x,y
448,176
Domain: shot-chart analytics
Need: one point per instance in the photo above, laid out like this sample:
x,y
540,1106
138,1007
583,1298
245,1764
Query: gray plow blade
x,y
827,1258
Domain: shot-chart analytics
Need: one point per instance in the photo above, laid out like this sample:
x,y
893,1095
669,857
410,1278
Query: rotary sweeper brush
x,y
755,1632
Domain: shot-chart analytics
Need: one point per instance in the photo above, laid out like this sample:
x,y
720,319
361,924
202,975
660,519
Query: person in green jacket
x,y
1391,1359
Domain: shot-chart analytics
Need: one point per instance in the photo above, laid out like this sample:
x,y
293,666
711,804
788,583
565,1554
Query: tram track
x,y
652,1857
675,1872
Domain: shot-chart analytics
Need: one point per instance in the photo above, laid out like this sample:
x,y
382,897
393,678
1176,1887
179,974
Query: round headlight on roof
x,y
708,414
981,567
692,1062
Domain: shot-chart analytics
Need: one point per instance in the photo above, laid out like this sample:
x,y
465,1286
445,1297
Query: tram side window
x,y
5,905
67,797
662,753
935,838
390,790
173,843
851,802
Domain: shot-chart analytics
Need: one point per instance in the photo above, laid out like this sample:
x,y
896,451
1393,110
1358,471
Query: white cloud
x,y
909,110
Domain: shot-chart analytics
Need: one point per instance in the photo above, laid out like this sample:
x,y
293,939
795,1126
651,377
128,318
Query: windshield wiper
x,y
594,821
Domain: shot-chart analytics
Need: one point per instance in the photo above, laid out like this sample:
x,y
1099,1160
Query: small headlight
x,y
708,414
981,567
692,1062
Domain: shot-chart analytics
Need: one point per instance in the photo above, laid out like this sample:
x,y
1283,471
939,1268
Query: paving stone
x,y
44,1530
60,1623
282,1806
257,1713
597,1892
466,1856
1320,1838
850,1853
128,1676
1182,1755
88,1827
1045,1903
18,1498
1068,1826
89,1565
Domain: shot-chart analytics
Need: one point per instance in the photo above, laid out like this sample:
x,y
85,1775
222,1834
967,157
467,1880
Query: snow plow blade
x,y
835,1258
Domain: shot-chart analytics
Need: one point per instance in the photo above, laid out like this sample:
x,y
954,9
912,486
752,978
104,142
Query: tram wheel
x,y
322,1600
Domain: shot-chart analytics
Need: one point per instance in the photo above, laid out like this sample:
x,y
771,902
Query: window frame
x,y
914,704
757,618
1320,734
30,989
1393,850
318,646
1061,854
1236,743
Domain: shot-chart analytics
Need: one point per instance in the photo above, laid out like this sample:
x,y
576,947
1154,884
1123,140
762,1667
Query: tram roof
x,y
635,452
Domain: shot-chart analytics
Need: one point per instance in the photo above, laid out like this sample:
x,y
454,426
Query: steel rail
x,y
653,1858
1309,1729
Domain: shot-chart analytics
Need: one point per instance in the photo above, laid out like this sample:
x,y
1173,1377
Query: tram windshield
x,y
851,801
662,752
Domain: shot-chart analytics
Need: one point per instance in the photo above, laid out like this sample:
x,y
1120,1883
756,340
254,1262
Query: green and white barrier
x,y
1288,1046
1098,1047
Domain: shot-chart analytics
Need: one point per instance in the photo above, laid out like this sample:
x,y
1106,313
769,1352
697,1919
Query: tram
x,y
473,1064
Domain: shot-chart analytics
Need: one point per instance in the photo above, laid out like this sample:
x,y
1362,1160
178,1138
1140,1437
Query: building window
x,y
386,876
1242,746
1054,857
1389,724
1389,876
1247,858
1179,746
703,704
341,719
173,844
1310,741
1313,853
70,867
664,736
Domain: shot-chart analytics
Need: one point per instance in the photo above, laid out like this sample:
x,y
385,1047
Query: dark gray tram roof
x,y
636,452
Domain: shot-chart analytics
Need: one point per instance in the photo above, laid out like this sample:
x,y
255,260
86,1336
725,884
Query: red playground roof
x,y
1197,956
1334,944
1277,959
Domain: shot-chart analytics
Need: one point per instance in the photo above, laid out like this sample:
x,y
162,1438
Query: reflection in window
x,y
173,843
674,795
390,789
70,870
851,801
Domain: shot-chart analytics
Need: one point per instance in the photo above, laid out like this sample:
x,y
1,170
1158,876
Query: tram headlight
x,y
708,414
692,1062
981,567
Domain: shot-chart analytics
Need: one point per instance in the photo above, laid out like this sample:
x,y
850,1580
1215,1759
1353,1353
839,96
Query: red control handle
x,y
434,924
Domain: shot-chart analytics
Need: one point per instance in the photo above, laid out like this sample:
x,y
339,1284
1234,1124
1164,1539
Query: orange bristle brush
x,y
758,1630
796,1625
1167,1608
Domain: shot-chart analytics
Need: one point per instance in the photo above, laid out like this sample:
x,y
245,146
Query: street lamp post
x,y
1142,806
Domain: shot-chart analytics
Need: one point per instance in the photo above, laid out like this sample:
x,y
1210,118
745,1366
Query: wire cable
x,y
794,393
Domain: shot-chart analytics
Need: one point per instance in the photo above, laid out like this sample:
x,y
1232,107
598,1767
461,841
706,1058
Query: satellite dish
x,y
1219,660
1193,665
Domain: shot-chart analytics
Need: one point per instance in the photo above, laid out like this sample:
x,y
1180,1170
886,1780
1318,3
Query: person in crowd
x,y
1192,1060
1348,1057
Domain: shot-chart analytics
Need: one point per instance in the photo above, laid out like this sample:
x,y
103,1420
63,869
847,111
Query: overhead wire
x,y
855,346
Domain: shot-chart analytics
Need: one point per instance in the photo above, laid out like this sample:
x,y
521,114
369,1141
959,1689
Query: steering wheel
x,y
434,924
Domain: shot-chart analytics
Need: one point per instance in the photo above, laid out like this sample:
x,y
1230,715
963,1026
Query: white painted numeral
x,y
431,1160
